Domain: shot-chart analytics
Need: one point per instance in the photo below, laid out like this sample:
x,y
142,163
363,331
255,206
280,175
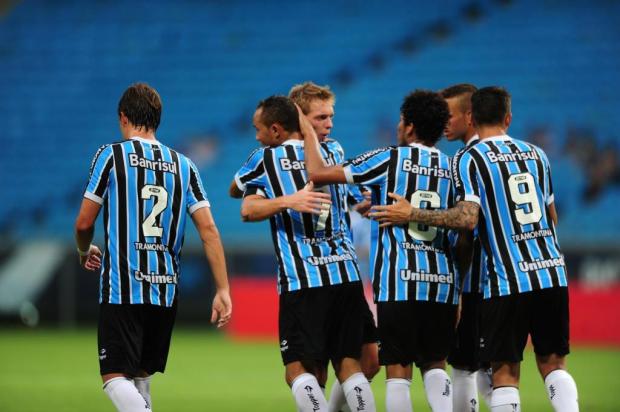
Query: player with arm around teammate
x,y
317,103
525,294
146,189
321,300
413,273
469,376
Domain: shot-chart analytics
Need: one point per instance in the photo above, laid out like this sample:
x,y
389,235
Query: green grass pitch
x,y
47,370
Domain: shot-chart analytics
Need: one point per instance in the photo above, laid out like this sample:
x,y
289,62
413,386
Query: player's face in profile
x,y
263,134
321,115
456,128
401,137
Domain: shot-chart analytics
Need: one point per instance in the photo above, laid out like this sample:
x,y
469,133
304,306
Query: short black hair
x,y
490,105
281,110
428,112
458,90
142,106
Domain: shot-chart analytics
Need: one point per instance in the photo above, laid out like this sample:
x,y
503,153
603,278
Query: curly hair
x,y
428,112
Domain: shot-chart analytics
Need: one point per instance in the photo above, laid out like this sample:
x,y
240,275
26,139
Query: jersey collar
x,y
421,146
499,138
143,140
293,142
473,140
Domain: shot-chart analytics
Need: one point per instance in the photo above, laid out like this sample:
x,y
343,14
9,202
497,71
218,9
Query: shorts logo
x,y
482,342
284,346
102,354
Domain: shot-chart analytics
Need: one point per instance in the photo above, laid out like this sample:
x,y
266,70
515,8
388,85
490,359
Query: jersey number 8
x,y
422,232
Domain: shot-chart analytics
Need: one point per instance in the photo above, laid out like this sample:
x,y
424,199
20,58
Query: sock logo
x,y
473,403
312,398
361,405
446,391
551,392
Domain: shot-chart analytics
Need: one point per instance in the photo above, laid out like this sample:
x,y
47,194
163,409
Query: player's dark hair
x,y
428,112
281,110
490,105
142,106
463,91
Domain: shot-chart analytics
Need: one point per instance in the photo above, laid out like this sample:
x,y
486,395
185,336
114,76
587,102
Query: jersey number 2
x,y
149,227
522,192
416,230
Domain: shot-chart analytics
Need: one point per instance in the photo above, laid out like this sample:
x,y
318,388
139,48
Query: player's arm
x,y
553,213
256,207
234,190
464,249
90,255
463,216
212,245
318,172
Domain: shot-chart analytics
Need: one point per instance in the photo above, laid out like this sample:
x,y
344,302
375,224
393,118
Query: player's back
x,y
146,189
412,262
513,180
313,250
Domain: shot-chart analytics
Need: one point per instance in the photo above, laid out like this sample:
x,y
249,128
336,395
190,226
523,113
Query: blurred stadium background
x,y
64,65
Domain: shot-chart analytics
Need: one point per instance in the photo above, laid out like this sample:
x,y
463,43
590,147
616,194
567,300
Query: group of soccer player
x,y
464,257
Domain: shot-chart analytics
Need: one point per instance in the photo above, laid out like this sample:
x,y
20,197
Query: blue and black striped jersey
x,y
409,262
472,281
312,250
511,180
146,190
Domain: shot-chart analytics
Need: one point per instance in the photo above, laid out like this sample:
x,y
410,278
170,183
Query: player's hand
x,y
304,123
222,308
307,200
92,261
363,207
395,214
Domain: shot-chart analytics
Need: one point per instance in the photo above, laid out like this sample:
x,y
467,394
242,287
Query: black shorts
x,y
322,324
465,353
507,321
415,331
134,338
370,334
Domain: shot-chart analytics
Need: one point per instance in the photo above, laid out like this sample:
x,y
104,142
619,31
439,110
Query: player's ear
x,y
507,120
469,118
409,130
275,130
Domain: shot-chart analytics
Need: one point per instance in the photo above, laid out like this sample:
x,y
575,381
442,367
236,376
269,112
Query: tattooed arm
x,y
463,216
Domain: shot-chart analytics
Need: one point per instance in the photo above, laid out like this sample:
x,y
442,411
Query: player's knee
x,y
549,363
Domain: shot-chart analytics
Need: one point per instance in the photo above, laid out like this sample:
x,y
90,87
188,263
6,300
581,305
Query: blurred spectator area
x,y
64,64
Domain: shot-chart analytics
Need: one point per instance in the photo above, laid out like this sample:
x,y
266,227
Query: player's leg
x,y
397,352
345,338
158,323
464,357
301,317
435,339
484,383
369,363
504,328
120,341
550,336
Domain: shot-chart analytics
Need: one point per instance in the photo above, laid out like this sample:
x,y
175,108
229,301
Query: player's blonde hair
x,y
305,93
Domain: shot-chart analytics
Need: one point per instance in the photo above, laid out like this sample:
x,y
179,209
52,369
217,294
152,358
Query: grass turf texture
x,y
58,371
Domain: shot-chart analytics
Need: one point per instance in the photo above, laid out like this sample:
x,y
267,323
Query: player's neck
x,y
468,136
141,133
486,132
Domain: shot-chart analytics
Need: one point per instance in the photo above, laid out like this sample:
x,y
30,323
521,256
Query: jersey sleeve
x,y
548,189
254,190
97,187
252,172
465,178
370,168
196,194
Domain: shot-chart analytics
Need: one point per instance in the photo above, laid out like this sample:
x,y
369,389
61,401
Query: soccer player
x,y
414,279
508,182
321,298
468,375
317,103
146,189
